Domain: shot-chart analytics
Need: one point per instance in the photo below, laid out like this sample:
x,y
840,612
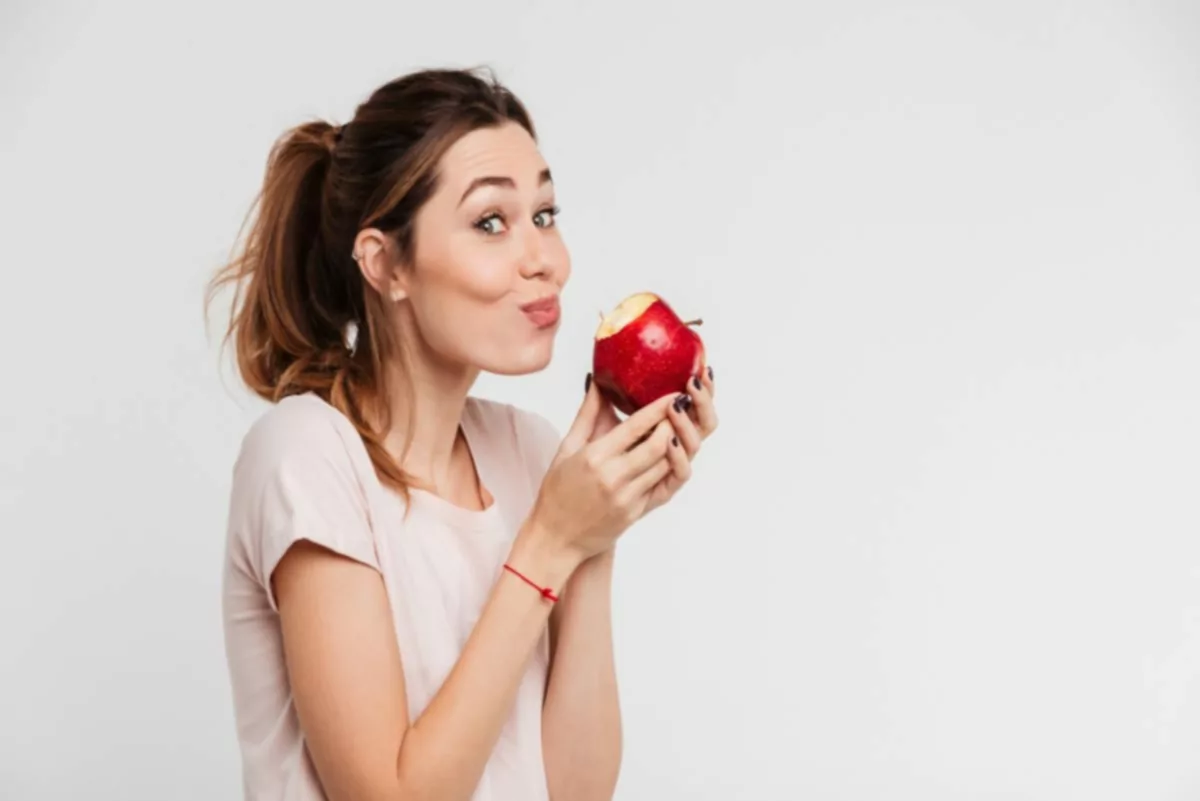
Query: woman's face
x,y
486,247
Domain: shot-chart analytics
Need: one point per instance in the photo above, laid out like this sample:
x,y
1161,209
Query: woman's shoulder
x,y
299,428
299,476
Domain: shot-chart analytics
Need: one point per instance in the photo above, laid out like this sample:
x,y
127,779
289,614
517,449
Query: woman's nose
x,y
534,255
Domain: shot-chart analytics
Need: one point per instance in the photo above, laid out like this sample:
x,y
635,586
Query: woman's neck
x,y
430,397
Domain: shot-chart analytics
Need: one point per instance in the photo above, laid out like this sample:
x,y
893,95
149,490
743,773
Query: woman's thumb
x,y
585,420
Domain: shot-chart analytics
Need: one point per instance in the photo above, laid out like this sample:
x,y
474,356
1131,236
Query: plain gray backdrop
x,y
945,545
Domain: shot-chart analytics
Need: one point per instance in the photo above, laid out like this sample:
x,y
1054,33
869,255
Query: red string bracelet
x,y
546,592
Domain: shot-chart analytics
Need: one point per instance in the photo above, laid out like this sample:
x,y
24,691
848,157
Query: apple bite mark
x,y
626,312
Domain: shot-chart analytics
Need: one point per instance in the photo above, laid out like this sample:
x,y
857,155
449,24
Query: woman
x,y
417,587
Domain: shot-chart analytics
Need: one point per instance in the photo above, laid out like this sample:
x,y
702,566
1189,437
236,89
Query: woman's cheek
x,y
488,278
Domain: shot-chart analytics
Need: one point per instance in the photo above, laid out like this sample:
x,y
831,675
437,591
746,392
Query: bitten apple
x,y
643,350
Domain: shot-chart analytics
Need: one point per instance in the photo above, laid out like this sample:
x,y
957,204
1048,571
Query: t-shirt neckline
x,y
461,516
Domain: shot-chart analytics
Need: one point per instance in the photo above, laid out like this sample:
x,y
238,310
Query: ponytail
x,y
299,298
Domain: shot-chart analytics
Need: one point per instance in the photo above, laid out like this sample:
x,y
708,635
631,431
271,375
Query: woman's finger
x,y
684,427
631,429
672,482
581,428
681,464
642,457
703,411
648,479
606,420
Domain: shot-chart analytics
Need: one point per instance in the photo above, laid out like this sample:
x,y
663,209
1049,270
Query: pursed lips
x,y
542,312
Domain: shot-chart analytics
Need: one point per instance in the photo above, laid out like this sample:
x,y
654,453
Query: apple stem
x,y
697,321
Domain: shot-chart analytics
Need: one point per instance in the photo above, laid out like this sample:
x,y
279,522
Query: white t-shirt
x,y
303,473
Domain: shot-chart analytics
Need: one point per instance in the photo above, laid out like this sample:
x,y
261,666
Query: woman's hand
x,y
694,420
601,479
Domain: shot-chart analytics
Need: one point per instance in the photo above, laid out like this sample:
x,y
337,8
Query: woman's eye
x,y
491,224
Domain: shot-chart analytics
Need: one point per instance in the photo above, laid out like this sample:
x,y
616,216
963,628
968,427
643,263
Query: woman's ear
x,y
379,268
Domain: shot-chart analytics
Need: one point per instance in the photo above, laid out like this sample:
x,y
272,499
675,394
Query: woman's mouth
x,y
542,313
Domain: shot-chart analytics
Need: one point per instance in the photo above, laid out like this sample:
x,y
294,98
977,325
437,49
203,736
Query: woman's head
x,y
482,247
424,225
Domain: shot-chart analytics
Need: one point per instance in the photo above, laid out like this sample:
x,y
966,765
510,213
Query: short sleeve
x,y
296,479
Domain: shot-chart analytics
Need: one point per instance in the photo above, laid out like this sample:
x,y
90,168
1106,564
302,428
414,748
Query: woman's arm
x,y
581,719
344,666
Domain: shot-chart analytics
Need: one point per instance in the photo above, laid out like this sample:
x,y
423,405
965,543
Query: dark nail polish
x,y
675,441
710,373
587,384
683,403
696,381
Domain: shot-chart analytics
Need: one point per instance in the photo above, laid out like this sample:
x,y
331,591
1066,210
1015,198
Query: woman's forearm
x,y
445,750
581,718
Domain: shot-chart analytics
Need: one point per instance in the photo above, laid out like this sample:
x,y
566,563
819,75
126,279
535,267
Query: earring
x,y
397,295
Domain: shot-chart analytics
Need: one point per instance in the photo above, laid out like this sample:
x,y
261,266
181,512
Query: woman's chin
x,y
533,359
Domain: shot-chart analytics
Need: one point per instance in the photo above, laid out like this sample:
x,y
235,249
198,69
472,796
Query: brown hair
x,y
297,287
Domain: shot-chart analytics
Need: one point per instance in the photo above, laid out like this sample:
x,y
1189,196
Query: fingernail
x,y
710,373
683,402
587,384
675,441
696,381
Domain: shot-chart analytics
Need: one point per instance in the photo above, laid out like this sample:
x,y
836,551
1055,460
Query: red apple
x,y
644,351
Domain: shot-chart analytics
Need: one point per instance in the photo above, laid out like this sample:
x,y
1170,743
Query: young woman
x,y
417,583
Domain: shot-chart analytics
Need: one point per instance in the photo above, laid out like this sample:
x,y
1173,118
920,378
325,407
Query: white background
x,y
945,545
